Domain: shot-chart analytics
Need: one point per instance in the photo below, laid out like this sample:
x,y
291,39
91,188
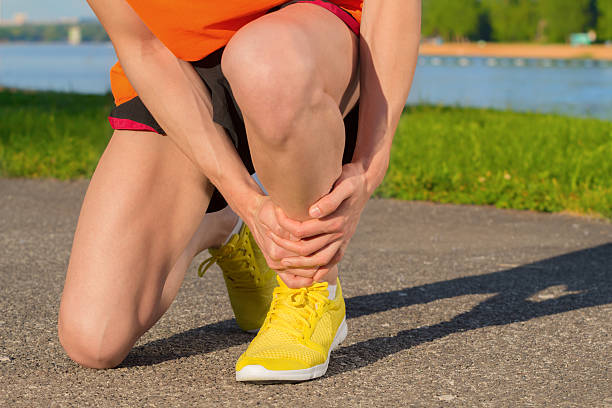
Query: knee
x,y
274,79
91,342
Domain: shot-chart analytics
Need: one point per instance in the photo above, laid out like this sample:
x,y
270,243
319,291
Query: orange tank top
x,y
192,29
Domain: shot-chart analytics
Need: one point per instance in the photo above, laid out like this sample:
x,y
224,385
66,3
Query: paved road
x,y
447,306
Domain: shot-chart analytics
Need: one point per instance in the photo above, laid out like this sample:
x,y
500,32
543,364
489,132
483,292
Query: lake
x,y
60,67
574,87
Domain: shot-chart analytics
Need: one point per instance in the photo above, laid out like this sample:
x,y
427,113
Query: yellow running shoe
x,y
301,329
249,280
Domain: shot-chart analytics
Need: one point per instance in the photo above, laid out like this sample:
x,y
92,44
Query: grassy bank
x,y
510,160
50,134
452,155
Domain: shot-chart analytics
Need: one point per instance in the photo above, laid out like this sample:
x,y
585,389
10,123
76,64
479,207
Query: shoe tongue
x,y
300,299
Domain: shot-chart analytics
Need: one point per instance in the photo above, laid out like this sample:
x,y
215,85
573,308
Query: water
x,y
574,87
59,67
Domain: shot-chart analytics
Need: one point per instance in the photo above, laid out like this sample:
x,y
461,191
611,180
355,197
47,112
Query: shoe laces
x,y
291,309
237,262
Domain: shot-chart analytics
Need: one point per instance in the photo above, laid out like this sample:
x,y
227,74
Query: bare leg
x,y
293,94
138,228
137,234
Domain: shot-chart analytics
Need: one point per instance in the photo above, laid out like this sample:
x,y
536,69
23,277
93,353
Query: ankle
x,y
332,276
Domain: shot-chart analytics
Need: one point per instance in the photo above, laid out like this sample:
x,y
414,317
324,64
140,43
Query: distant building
x,y
74,35
577,39
19,18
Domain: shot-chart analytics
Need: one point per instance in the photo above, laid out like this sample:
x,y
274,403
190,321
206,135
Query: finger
x,y
324,270
270,222
275,264
322,273
314,227
289,225
280,268
295,282
330,202
302,272
320,258
275,252
306,246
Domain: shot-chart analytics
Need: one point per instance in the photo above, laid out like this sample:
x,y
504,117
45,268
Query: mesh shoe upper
x,y
249,280
298,331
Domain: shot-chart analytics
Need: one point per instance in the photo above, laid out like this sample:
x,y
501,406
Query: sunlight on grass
x,y
450,155
510,160
51,134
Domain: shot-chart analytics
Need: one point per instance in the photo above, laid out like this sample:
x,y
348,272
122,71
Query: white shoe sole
x,y
260,373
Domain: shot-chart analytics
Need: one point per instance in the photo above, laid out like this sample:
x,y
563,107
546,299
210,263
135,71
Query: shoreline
x,y
518,50
467,49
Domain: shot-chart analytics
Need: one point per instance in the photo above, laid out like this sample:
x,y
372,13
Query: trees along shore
x,y
452,155
543,21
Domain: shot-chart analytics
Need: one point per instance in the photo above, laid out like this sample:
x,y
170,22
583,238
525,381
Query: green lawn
x,y
451,155
510,160
50,134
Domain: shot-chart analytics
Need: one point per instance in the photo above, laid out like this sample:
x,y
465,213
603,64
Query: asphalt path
x,y
446,306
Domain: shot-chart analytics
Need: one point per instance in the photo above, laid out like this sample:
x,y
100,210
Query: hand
x,y
322,241
261,221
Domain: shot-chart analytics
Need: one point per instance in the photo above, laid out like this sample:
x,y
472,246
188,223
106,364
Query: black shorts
x,y
133,115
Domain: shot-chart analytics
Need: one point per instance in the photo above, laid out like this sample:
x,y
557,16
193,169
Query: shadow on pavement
x,y
585,278
202,340
586,274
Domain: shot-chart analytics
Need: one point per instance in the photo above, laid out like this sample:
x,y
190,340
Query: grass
x,y
451,155
49,134
511,160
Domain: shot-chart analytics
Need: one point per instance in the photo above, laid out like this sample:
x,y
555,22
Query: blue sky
x,y
46,9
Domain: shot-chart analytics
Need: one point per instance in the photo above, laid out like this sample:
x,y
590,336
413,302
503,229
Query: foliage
x,y
604,19
510,160
93,31
450,19
515,20
560,18
453,20
90,31
451,155
48,134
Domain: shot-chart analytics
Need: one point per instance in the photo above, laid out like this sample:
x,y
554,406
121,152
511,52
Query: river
x,y
573,87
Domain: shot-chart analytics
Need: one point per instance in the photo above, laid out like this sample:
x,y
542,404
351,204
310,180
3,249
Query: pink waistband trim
x,y
128,124
344,15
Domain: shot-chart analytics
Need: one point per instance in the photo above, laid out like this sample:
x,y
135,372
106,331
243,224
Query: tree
x,y
93,31
560,18
450,19
54,32
604,19
512,20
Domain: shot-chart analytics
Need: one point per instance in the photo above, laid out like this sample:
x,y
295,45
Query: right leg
x,y
137,234
301,80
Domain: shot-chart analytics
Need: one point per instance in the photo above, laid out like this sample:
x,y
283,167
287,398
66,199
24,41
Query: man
x,y
208,92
